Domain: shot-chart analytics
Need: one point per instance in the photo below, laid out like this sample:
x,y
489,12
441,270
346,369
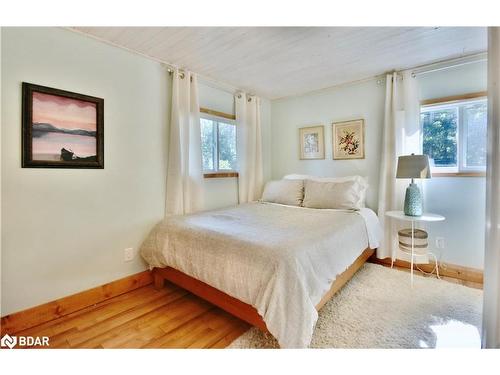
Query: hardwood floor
x,y
151,318
144,318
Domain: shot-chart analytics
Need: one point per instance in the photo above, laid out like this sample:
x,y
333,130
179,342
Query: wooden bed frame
x,y
236,307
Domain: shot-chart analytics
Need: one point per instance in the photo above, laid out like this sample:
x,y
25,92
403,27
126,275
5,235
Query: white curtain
x,y
249,138
402,136
184,174
491,305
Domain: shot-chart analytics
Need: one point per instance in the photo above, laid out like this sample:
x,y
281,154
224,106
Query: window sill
x,y
220,175
459,174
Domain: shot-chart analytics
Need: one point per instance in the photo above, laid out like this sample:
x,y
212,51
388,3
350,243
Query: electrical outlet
x,y
440,242
128,254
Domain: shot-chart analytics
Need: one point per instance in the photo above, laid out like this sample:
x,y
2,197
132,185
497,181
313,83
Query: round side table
x,y
426,217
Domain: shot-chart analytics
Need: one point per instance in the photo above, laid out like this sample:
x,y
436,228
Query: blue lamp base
x,y
413,201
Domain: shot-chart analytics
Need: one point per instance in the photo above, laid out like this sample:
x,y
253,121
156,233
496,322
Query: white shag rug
x,y
378,308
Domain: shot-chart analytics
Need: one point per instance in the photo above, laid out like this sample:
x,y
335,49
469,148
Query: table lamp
x,y
413,166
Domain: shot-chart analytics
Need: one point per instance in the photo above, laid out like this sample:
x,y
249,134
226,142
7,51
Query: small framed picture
x,y
61,129
312,143
348,139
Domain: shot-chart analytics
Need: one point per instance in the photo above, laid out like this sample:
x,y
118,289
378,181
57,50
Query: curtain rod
x,y
447,64
211,82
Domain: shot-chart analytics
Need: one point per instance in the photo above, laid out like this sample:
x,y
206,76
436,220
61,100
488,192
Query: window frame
x,y
217,118
461,170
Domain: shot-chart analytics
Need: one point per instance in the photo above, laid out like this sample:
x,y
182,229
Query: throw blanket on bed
x,y
279,259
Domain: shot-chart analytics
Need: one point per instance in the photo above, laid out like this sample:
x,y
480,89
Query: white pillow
x,y
363,184
289,192
347,195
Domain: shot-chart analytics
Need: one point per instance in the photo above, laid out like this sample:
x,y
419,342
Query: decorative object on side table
x,y
413,166
348,139
312,143
417,238
61,129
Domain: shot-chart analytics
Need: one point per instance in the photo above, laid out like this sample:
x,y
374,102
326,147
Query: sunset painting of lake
x,y
63,128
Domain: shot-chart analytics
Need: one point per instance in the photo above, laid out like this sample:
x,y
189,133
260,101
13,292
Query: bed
x,y
271,265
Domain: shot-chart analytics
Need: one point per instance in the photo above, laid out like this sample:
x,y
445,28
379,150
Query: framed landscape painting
x,y
61,129
312,143
348,139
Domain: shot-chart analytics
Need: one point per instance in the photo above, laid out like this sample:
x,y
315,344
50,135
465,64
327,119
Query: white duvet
x,y
279,259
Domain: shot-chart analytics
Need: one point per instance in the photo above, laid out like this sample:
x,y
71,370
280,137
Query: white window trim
x,y
461,140
216,120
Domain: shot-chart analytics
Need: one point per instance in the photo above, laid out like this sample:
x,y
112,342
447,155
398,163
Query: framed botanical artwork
x,y
312,143
348,139
61,129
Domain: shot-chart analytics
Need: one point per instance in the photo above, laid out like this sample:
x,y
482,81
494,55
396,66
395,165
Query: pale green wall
x,y
461,200
355,101
1,228
65,230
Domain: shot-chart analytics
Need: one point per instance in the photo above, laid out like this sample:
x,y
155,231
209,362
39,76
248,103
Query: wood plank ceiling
x,y
283,61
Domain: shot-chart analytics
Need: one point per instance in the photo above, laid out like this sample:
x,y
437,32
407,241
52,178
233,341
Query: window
x,y
454,135
218,144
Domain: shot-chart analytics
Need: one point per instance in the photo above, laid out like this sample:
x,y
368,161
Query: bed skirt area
x,y
236,307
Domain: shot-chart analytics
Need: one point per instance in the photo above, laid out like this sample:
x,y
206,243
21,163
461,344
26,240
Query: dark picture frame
x,y
64,133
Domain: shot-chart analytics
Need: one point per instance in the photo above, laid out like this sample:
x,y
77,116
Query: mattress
x,y
279,259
